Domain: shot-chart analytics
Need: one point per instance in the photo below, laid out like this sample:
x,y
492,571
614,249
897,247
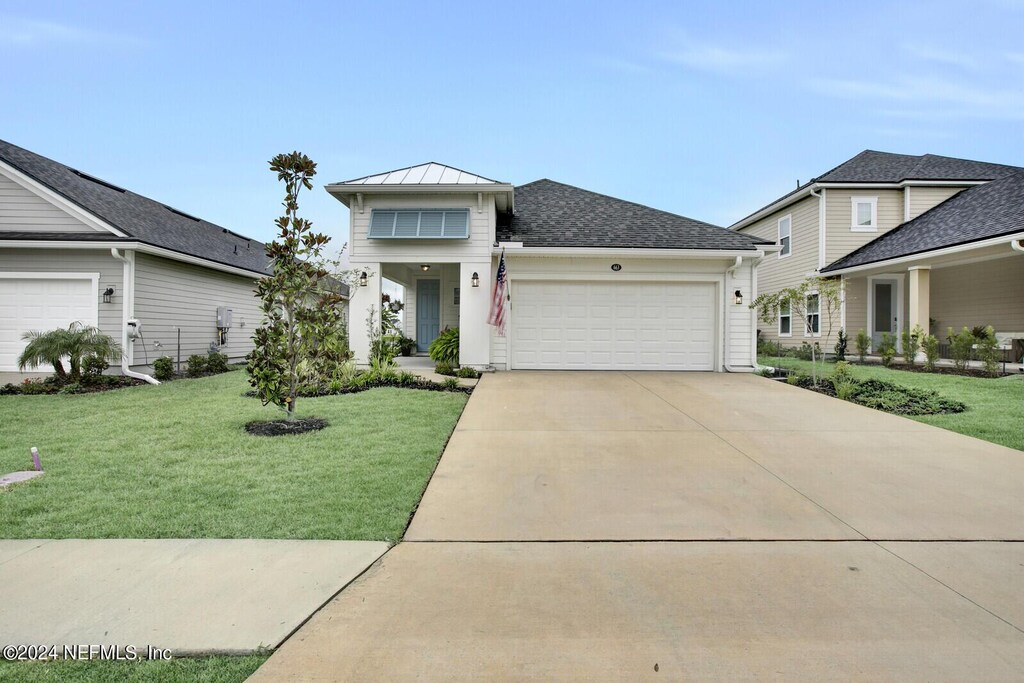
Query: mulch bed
x,y
284,427
423,385
944,370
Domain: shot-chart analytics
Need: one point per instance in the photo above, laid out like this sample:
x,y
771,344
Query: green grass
x,y
206,669
173,461
995,407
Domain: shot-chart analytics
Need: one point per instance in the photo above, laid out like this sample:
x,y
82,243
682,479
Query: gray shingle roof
x,y
551,214
142,218
980,212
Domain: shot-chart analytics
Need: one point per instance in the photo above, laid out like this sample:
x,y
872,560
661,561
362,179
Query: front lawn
x,y
209,669
173,461
995,407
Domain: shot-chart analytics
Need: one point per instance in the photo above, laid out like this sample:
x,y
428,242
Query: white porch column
x,y
920,297
362,298
474,305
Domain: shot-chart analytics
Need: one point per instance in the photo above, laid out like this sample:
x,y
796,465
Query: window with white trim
x,y
786,236
432,224
864,214
813,308
785,319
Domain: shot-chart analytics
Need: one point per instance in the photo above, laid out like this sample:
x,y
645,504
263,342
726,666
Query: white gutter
x,y
1017,245
127,300
956,249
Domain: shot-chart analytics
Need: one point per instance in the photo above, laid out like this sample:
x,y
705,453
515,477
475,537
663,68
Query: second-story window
x,y
864,214
419,224
786,236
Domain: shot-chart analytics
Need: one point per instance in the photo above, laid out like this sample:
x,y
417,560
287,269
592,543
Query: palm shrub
x,y
74,343
930,345
863,344
445,349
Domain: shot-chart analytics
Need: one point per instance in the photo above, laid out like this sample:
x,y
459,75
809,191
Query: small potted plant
x,y
406,345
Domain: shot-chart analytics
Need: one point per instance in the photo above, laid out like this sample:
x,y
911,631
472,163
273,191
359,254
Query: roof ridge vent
x,y
180,213
94,179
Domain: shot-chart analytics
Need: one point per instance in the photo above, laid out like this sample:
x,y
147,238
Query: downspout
x,y
127,285
725,345
753,314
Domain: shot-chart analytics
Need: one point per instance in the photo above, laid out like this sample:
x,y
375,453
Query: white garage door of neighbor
x,y
28,304
614,326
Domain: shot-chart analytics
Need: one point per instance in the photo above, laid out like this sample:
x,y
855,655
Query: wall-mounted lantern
x,y
475,279
108,295
362,279
738,298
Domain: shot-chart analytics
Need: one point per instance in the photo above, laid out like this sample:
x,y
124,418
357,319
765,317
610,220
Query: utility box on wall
x,y
224,317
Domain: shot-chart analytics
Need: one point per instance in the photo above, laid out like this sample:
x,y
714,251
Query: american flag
x,y
498,298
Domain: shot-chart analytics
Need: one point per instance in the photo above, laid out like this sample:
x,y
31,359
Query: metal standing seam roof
x,y
430,173
552,214
980,212
143,219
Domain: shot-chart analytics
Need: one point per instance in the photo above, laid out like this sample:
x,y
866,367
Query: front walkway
x,y
189,596
618,526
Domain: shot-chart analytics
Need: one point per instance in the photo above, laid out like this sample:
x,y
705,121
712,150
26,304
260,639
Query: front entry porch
x,y
438,296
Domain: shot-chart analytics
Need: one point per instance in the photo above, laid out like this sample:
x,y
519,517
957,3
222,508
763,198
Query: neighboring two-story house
x,y
917,240
594,282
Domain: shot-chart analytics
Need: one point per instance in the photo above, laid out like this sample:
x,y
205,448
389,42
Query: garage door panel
x,y
642,326
40,304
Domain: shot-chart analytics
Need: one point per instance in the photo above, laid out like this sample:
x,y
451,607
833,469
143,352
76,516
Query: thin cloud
x,y
721,59
27,33
941,56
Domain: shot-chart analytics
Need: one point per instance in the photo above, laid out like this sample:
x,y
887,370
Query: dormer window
x,y
865,214
432,224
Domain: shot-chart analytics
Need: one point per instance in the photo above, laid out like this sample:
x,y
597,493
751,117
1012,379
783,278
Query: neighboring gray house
x,y
917,240
76,248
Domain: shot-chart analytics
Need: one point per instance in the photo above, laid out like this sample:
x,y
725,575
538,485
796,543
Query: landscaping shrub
x,y
863,344
444,369
988,352
216,363
163,368
960,347
766,347
467,373
450,383
72,388
806,351
93,368
445,349
74,344
841,343
930,345
887,348
911,343
889,397
196,366
843,381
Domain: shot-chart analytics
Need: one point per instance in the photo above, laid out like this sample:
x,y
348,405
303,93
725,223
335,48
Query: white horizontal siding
x,y
22,210
171,295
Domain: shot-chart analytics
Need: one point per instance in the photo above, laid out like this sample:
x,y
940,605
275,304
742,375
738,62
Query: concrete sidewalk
x,y
189,596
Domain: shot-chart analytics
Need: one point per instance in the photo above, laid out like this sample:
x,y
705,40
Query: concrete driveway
x,y
645,525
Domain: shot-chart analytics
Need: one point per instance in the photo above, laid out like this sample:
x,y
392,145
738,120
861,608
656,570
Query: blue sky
x,y
705,109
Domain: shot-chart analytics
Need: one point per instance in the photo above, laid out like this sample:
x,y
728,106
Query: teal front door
x,y
428,313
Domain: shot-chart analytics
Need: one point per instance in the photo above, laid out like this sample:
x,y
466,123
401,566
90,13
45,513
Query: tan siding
x,y
75,261
24,211
984,293
856,310
170,294
922,199
481,231
840,240
774,273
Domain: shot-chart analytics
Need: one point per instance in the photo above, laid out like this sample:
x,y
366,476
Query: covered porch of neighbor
x,y
438,295
971,288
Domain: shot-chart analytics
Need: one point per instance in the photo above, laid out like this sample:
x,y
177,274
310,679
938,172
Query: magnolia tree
x,y
814,296
304,325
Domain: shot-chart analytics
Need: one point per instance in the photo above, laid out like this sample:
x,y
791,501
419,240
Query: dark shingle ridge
x,y
553,214
873,166
981,212
144,219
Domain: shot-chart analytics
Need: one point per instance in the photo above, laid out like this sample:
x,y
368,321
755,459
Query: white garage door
x,y
620,326
28,304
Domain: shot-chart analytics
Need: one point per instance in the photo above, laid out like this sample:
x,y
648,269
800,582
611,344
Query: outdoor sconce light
x,y
108,295
475,279
424,267
362,279
738,297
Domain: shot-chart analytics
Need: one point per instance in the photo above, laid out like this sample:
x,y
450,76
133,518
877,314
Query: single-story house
x,y
74,247
593,282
